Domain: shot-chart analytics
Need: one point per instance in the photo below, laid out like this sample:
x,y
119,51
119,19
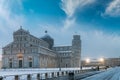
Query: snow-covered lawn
x,y
110,74
6,72
9,74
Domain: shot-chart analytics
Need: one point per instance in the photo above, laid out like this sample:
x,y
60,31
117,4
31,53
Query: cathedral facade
x,y
28,51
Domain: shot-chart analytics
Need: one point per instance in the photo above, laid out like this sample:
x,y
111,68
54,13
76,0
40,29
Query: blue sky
x,y
97,21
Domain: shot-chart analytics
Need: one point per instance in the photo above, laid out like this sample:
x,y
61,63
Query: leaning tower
x,y
76,51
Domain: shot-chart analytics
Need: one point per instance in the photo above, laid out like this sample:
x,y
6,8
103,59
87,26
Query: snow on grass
x,y
110,74
9,74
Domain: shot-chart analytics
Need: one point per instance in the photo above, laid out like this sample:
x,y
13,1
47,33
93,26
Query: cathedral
x,y
28,51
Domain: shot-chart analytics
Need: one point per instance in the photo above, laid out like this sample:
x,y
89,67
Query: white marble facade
x,y
28,51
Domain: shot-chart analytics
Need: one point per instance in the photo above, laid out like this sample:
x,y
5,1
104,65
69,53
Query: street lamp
x,y
87,60
101,60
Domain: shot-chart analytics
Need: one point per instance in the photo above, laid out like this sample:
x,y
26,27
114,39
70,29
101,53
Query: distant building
x,y
93,62
28,51
111,62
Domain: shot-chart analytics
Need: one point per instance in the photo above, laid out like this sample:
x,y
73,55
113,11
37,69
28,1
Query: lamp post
x,y
101,60
87,61
100,63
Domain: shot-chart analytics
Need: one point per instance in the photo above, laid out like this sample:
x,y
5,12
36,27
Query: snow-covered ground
x,y
8,74
110,74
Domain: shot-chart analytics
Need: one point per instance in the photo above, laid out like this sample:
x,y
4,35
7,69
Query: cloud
x,y
70,7
97,43
113,9
9,19
68,23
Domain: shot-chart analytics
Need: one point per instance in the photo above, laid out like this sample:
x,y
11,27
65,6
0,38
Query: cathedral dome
x,y
48,39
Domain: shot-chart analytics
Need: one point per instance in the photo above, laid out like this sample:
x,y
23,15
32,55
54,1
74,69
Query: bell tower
x,y
76,50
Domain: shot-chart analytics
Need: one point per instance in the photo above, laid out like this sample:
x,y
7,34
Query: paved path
x,y
110,74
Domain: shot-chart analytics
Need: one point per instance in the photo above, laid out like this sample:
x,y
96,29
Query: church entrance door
x,y
10,64
20,63
30,64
